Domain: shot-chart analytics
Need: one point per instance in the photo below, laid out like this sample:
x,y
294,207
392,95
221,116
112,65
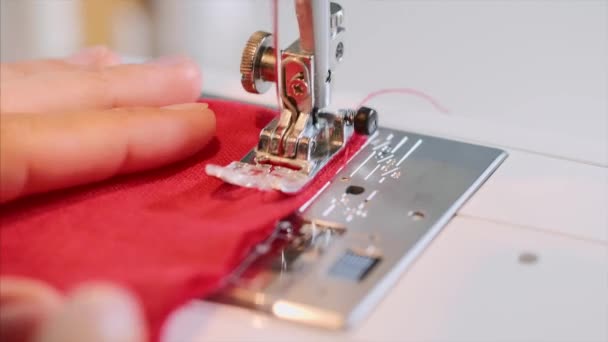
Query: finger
x,y
20,322
99,56
91,58
41,152
96,313
26,303
164,82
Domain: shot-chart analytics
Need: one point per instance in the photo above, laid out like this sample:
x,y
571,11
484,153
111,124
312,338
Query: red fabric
x,y
169,235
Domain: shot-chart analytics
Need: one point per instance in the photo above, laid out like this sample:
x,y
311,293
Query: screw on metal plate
x,y
528,258
417,215
340,51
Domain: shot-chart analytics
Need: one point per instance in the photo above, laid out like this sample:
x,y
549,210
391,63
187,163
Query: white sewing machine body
x,y
526,257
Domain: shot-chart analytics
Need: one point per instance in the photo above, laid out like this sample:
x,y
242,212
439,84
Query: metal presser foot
x,y
294,147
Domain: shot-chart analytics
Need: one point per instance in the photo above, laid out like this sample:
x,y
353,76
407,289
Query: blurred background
x,y
136,28
528,66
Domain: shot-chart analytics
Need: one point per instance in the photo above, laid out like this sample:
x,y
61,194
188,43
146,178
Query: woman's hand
x,y
87,118
96,312
79,120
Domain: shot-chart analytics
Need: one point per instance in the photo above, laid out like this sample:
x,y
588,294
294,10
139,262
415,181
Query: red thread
x,y
406,91
403,91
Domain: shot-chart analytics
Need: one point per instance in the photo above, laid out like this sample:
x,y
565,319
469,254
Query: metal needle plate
x,y
353,241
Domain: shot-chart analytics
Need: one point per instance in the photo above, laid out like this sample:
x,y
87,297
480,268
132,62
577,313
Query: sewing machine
x,y
524,259
332,260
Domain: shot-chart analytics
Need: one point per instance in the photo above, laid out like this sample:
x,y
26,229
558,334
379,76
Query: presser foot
x,y
295,147
314,147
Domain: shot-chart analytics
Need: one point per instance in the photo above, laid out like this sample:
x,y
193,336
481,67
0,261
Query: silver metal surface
x,y
322,37
258,63
306,135
329,263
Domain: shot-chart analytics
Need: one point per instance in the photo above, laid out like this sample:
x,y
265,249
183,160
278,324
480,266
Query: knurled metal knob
x,y
366,121
258,63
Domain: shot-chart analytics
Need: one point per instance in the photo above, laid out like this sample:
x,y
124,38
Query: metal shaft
x,y
321,32
304,16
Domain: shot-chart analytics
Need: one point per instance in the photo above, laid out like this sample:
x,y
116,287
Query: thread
x,y
402,91
277,49
406,91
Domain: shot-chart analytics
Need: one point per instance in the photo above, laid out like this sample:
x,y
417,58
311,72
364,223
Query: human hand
x,y
87,118
33,311
79,120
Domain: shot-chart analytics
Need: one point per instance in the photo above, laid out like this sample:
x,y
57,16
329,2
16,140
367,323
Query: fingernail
x,y
171,60
188,106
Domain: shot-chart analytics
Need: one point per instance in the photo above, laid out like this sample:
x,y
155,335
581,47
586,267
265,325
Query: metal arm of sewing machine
x,y
306,134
